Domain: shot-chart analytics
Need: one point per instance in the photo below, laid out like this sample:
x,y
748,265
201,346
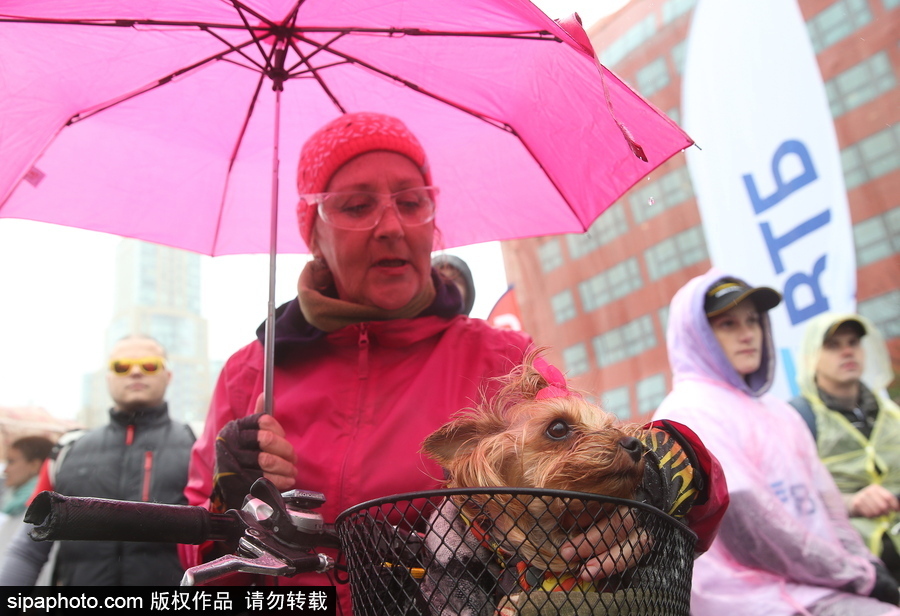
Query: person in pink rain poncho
x,y
785,545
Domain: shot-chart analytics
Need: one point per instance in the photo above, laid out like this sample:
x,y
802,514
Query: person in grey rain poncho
x,y
785,545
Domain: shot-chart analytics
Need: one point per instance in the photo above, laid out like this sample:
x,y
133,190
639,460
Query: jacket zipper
x,y
363,374
148,472
363,351
129,434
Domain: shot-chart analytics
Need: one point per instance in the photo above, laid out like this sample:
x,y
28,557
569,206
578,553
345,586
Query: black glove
x,y
885,589
237,463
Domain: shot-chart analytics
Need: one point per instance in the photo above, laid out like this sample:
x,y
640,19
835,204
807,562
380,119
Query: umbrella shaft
x,y
269,369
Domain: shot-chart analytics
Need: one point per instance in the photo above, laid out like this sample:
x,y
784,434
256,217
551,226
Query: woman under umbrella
x,y
371,357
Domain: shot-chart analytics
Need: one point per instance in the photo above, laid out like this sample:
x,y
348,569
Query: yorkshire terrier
x,y
536,433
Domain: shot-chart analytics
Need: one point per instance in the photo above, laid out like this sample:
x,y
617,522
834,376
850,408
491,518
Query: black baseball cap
x,y
859,327
728,293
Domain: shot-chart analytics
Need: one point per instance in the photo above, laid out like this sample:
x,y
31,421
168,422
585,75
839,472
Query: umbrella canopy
x,y
158,120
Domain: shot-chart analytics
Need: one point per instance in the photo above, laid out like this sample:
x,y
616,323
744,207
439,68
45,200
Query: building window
x,y
550,255
673,9
837,22
617,401
860,84
607,286
679,51
178,335
653,77
675,253
605,229
576,359
675,115
884,311
563,306
650,393
193,301
623,342
871,157
877,237
663,316
668,191
628,42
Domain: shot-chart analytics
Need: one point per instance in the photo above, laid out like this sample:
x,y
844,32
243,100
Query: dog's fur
x,y
516,440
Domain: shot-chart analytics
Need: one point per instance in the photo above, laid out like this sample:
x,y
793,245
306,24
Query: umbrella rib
x,y
118,23
314,71
413,86
544,35
78,117
242,9
237,49
231,161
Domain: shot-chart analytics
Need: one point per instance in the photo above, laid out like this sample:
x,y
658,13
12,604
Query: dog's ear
x,y
459,437
451,440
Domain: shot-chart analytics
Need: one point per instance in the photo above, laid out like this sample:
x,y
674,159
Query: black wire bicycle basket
x,y
494,551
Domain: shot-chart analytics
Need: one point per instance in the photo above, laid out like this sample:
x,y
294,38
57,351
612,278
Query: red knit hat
x,y
342,140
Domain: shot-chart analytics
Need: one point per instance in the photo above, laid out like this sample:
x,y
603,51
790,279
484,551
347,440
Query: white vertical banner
x,y
768,176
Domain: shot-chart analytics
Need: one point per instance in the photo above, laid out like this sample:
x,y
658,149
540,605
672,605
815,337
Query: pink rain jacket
x,y
785,541
357,403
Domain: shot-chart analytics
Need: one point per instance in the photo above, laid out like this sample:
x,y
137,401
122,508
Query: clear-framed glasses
x,y
361,210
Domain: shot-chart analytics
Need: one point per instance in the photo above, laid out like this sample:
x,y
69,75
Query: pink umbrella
x,y
167,120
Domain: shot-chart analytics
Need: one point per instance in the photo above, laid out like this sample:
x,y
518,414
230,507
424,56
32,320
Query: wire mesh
x,y
494,551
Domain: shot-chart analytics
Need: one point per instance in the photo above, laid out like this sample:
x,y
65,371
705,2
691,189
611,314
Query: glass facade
x,y
837,22
653,77
650,393
668,191
878,237
872,157
675,253
550,255
638,34
612,284
860,84
884,311
630,340
563,305
609,226
576,359
617,401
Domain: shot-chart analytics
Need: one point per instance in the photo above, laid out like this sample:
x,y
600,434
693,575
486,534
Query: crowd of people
x,y
377,351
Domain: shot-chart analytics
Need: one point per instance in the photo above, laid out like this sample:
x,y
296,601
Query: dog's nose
x,y
632,446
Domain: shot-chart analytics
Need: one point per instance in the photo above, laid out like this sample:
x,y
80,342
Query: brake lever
x,y
280,534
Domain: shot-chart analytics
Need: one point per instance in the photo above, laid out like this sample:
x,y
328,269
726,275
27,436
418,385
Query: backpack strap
x,y
805,409
62,447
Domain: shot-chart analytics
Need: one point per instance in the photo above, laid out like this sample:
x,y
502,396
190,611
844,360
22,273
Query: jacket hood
x,y
694,350
465,275
878,373
291,328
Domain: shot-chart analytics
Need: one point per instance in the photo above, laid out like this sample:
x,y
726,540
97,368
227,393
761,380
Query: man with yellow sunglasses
x,y
140,455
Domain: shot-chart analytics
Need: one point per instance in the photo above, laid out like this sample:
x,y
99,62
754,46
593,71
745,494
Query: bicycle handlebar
x,y
69,518
275,534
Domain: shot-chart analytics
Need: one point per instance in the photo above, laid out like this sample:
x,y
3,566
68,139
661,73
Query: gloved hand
x,y
247,449
237,463
885,589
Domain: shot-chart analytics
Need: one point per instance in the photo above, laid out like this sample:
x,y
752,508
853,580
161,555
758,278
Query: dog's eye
x,y
558,430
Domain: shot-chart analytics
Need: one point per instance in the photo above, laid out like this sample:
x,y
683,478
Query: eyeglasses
x,y
360,211
148,365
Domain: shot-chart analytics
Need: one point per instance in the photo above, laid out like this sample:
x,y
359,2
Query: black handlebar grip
x,y
70,518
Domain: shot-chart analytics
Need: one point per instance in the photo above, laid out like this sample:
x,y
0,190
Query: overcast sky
x,y
57,292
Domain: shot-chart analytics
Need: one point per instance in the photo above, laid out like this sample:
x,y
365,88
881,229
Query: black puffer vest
x,y
135,457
